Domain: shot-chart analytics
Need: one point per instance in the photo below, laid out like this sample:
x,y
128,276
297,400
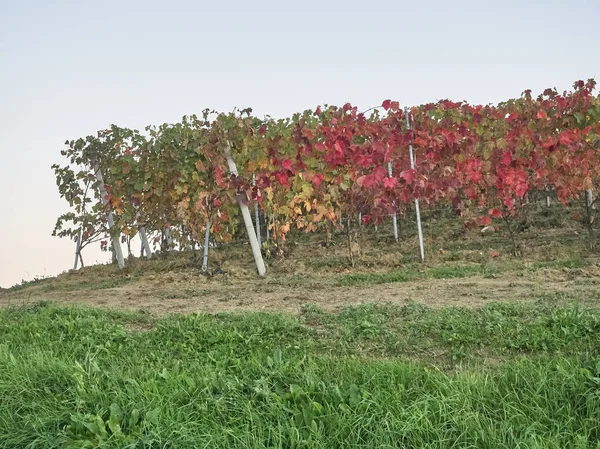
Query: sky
x,y
70,68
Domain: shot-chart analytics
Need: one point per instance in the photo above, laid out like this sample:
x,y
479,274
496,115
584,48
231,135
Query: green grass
x,y
369,377
412,273
99,284
415,272
27,284
566,263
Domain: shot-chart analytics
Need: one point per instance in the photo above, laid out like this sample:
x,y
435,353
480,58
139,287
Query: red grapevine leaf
x,y
408,175
390,183
506,158
320,147
521,189
318,179
496,213
485,220
282,179
380,173
338,147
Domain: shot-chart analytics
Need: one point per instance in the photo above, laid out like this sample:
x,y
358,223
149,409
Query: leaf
x,y
282,179
151,416
386,104
317,179
338,147
521,189
496,213
277,356
566,137
114,420
390,183
409,175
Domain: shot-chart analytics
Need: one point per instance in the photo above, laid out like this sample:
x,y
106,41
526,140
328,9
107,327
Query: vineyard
x,y
197,183
432,283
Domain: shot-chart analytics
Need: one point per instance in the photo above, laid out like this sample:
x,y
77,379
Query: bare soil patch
x,y
185,292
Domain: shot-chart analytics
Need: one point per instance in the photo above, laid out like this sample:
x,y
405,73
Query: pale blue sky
x,y
68,69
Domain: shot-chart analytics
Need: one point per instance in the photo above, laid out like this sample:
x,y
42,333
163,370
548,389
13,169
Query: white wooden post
x,y
267,226
257,216
412,165
116,242
145,243
144,238
77,249
375,205
168,238
394,215
206,245
260,264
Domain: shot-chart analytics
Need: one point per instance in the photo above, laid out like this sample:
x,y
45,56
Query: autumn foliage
x,y
481,160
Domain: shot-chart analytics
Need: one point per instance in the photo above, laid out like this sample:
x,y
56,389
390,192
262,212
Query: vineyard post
x,y
260,264
256,215
394,215
144,238
77,249
145,243
206,244
168,238
375,205
267,226
116,243
412,165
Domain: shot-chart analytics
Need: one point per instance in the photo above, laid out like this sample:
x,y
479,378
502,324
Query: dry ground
x,y
460,271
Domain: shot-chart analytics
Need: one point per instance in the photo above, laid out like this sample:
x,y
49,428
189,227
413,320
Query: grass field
x,y
368,376
472,349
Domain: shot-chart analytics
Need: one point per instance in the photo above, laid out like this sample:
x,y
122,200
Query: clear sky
x,y
68,69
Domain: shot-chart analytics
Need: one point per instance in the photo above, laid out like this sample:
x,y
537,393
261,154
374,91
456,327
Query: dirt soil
x,y
311,274
184,292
